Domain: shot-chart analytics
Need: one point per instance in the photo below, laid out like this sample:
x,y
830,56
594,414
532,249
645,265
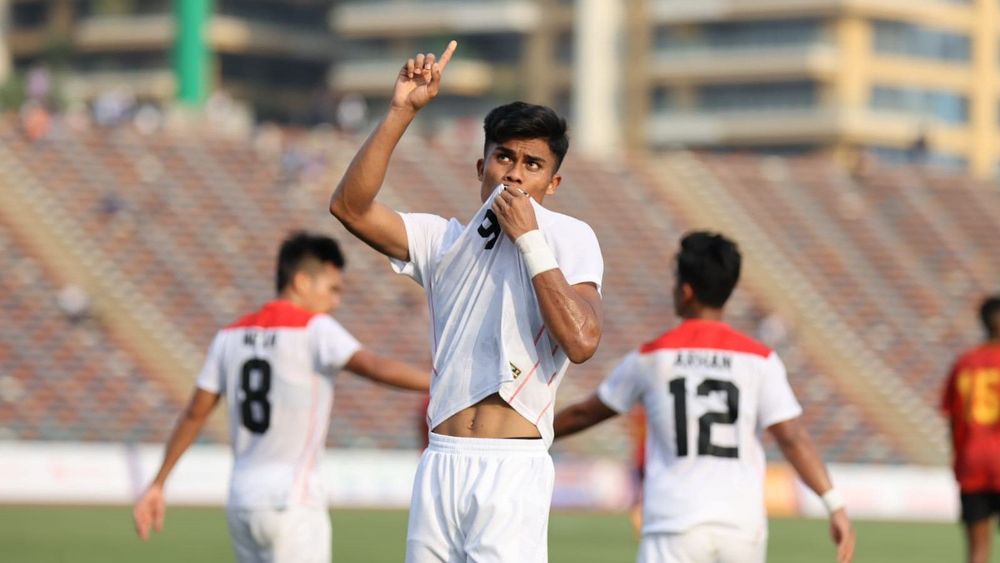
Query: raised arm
x,y
151,507
388,371
798,449
353,202
581,416
572,313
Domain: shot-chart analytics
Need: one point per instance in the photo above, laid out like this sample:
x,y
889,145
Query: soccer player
x,y
276,367
707,390
514,297
972,404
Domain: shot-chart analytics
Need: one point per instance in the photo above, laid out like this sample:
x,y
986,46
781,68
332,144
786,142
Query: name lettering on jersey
x,y
515,370
709,360
267,339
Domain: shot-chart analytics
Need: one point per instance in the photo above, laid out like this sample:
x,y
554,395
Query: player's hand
x,y
514,212
842,533
420,78
149,511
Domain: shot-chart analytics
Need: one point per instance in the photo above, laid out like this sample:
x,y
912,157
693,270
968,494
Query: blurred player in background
x,y
972,404
514,297
707,389
276,367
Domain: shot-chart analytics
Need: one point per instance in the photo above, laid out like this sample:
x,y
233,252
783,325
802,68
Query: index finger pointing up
x,y
446,55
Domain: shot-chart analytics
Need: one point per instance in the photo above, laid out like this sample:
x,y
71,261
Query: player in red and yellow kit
x,y
972,404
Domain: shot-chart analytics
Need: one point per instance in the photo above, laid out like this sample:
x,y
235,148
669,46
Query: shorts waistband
x,y
506,446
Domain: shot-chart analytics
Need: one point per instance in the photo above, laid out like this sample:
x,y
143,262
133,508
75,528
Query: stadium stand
x,y
862,279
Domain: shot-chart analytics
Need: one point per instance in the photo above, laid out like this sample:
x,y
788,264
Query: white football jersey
x,y
275,368
487,330
708,392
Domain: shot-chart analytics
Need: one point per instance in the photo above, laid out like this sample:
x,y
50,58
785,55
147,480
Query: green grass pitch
x,y
41,534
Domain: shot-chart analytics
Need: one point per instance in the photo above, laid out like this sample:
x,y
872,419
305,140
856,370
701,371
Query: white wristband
x,y
537,255
833,500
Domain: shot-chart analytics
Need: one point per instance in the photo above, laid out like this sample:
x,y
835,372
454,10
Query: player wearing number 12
x,y
707,390
276,367
972,403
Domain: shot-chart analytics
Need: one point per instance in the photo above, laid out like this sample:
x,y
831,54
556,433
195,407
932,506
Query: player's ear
x,y
479,169
301,281
687,292
553,185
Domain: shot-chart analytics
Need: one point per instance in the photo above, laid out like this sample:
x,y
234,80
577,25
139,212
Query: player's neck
x,y
703,314
292,298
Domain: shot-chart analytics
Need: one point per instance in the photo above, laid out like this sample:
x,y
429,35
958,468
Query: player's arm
x,y
581,416
388,371
353,202
799,450
151,507
572,313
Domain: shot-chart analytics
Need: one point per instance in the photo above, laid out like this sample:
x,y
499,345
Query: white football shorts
x,y
706,543
480,500
293,535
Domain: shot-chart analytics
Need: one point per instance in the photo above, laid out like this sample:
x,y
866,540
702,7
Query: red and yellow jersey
x,y
972,403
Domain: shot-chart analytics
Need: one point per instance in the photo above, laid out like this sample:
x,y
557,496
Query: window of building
x,y
566,47
124,7
300,14
758,97
916,155
271,71
115,61
910,40
740,35
28,14
943,106
661,99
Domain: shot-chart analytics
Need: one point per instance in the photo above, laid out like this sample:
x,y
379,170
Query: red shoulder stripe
x,y
276,314
706,335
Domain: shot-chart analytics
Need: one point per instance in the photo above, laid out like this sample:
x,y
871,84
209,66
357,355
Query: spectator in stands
x,y
971,402
36,121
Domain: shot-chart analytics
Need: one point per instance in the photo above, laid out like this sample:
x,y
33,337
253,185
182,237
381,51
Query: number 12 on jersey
x,y
705,446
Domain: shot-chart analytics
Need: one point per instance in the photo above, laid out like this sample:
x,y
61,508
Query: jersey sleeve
x,y
334,346
579,254
212,377
424,233
623,388
777,400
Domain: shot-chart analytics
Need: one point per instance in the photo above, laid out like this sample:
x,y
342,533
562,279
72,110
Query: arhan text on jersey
x,y
707,359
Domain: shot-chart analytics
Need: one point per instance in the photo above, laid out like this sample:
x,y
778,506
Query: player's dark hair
x,y
520,120
303,250
989,314
710,264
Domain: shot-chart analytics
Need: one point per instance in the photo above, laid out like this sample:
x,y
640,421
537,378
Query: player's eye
x,y
534,166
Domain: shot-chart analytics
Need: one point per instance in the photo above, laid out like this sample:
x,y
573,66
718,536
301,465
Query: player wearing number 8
x,y
275,368
706,390
972,404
